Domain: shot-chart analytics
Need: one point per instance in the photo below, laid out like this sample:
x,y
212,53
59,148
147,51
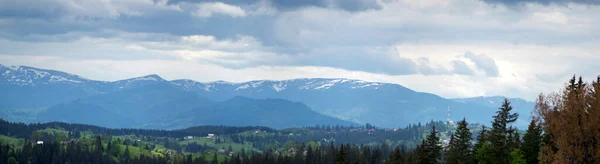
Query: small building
x,y
210,136
40,142
189,137
221,151
395,129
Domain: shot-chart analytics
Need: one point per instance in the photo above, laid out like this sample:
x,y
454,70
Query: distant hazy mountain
x,y
241,111
383,104
521,106
165,106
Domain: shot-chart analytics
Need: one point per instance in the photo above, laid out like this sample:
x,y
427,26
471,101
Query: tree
x,y
482,150
499,135
126,154
532,142
516,157
432,148
570,121
12,160
340,157
397,157
481,138
98,144
215,160
460,147
36,135
484,154
115,148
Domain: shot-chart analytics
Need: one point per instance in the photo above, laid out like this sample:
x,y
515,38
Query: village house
x,y
210,136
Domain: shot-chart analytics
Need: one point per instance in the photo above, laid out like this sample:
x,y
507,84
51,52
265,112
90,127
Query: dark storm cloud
x,y
543,2
348,5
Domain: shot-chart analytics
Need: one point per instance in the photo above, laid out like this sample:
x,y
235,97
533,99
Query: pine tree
x,y
516,140
432,149
460,146
98,144
108,147
340,157
481,138
499,139
516,157
532,142
310,155
397,157
215,160
126,155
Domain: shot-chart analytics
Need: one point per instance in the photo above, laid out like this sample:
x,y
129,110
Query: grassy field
x,y
236,147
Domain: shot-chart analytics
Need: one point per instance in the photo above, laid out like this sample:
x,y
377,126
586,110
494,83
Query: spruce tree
x,y
532,143
432,148
98,144
461,147
340,157
397,157
500,142
126,155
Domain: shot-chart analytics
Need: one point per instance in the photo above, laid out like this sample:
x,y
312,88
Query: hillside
x,y
164,106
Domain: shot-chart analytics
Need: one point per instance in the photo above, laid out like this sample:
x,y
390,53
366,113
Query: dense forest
x,y
565,129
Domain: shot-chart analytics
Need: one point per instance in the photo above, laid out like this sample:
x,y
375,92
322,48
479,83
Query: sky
x,y
452,48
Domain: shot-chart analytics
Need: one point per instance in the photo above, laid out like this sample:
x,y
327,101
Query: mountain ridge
x,y
359,101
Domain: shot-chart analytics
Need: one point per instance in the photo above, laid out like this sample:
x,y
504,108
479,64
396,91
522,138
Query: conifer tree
x,y
432,148
532,142
340,157
499,135
460,147
126,155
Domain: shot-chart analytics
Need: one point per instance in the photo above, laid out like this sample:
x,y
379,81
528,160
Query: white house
x,y
189,137
40,142
210,136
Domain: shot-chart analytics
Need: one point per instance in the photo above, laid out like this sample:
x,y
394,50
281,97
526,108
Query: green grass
x,y
54,131
236,147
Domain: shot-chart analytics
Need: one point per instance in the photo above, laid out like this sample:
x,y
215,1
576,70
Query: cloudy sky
x,y
453,48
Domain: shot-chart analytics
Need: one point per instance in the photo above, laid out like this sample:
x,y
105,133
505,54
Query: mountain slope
x,y
133,104
241,111
383,104
28,87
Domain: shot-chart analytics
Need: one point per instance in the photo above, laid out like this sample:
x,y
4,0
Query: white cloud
x,y
420,44
209,8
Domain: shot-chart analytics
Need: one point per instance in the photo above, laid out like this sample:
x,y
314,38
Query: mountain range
x,y
39,95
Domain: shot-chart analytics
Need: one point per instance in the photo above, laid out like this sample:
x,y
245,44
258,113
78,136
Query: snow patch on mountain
x,y
257,84
54,78
279,87
245,86
367,85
